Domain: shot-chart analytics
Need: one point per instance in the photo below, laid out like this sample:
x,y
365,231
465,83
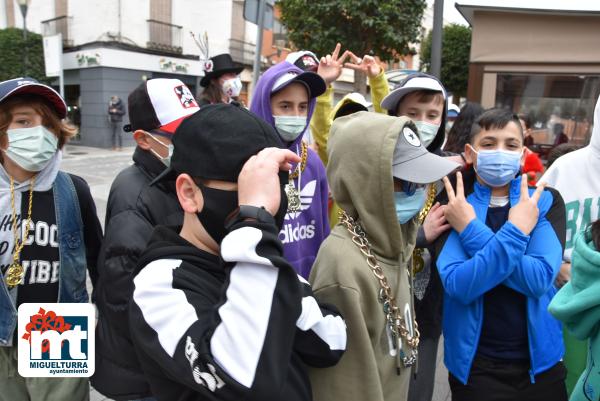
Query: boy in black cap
x,y
156,108
217,312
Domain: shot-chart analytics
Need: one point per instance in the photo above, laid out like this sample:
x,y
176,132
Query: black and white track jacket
x,y
236,327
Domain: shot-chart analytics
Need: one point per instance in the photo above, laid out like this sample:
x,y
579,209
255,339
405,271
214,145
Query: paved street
x,y
99,167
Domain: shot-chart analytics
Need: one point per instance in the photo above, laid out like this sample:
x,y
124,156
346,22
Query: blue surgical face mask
x,y
290,127
427,131
497,167
407,206
31,148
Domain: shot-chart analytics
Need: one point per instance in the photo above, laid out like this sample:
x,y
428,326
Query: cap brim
x,y
206,78
313,81
173,125
390,102
424,169
44,91
411,84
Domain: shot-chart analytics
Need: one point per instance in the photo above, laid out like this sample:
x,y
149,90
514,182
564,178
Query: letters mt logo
x,y
56,340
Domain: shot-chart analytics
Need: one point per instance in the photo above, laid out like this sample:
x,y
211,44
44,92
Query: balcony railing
x,y
164,36
242,52
58,25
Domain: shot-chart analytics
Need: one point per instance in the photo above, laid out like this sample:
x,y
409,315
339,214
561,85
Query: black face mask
x,y
218,204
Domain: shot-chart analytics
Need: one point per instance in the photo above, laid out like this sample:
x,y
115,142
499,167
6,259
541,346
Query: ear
x,y
188,193
141,139
470,155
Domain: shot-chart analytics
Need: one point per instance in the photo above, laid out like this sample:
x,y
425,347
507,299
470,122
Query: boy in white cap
x,y
156,108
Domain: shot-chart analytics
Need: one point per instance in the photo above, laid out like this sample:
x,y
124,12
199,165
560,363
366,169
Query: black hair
x,y
526,119
494,119
460,133
559,151
595,234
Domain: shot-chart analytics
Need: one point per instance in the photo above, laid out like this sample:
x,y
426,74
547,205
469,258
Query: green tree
x,y
456,48
381,28
11,55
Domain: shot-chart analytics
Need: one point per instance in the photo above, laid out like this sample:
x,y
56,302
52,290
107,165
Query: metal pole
x,y
436,40
25,49
259,38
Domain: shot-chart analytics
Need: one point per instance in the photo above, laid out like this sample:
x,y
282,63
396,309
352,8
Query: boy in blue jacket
x,y
498,266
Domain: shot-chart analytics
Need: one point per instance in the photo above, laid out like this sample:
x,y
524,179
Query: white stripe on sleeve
x,y
331,329
238,340
164,308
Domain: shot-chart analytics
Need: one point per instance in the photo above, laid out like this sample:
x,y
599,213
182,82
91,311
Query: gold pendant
x,y
293,197
14,275
418,262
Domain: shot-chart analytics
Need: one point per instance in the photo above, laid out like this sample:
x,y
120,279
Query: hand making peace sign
x,y
367,64
458,211
330,66
525,214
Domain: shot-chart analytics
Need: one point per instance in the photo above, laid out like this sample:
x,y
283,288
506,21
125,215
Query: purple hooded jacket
x,y
302,231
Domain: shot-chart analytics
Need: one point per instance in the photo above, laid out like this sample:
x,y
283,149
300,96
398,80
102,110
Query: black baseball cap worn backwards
x,y
215,142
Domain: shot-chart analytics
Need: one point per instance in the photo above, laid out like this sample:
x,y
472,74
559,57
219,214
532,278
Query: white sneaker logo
x,y
306,197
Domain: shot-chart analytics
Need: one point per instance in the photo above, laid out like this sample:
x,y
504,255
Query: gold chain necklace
x,y
396,323
302,165
15,271
293,193
418,262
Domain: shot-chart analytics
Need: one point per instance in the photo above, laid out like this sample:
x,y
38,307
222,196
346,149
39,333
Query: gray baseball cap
x,y
412,162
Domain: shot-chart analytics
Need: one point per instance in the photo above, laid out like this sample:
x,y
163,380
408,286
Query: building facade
x,y
541,63
111,46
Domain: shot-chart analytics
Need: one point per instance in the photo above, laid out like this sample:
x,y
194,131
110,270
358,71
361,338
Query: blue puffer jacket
x,y
477,260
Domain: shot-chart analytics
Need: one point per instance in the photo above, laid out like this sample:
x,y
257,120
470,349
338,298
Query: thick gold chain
x,y
418,262
302,165
15,271
393,314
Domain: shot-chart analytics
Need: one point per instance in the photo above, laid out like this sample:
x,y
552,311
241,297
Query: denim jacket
x,y
72,273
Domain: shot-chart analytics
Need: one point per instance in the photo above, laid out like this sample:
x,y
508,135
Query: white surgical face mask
x,y
31,148
232,87
290,127
427,131
165,160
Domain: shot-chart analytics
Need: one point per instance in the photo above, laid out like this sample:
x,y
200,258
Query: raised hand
x,y
258,182
367,64
435,223
330,66
524,215
458,211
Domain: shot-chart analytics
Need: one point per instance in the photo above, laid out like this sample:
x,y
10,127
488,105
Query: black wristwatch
x,y
245,212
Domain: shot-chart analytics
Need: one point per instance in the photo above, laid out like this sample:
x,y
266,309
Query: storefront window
x,y
554,104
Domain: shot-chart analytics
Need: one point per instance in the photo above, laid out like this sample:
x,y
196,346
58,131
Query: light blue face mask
x,y
497,167
427,132
290,127
407,206
31,148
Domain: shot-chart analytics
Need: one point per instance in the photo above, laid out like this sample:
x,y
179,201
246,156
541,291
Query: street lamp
x,y
23,6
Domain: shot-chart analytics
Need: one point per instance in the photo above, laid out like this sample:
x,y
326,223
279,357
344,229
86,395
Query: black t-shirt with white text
x,y
40,255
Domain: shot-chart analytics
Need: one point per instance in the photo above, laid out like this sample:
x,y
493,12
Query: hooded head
x,y
351,103
362,168
426,84
278,78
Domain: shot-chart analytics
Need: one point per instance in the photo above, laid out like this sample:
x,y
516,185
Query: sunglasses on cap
x,y
409,188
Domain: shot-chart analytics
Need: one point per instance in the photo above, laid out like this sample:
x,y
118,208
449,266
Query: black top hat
x,y
218,65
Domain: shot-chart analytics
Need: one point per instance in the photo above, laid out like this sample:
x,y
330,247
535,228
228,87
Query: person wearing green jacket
x,y
363,266
577,305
